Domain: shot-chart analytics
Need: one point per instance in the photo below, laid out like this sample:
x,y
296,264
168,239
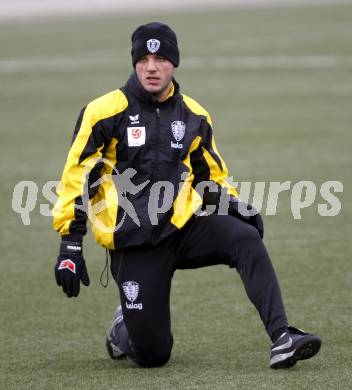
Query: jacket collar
x,y
135,88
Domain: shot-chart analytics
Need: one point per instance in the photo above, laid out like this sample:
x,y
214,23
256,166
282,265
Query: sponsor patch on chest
x,y
136,136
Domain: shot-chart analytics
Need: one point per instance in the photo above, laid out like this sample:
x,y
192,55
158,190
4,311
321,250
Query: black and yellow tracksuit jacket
x,y
126,128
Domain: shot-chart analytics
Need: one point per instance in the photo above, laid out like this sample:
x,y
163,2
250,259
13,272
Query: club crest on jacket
x,y
178,130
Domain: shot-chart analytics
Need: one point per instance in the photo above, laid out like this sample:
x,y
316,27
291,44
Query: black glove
x,y
70,268
247,213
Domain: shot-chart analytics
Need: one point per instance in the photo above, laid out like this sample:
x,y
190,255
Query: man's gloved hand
x,y
70,268
247,213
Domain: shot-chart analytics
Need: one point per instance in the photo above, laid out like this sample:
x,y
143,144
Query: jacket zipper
x,y
156,167
153,232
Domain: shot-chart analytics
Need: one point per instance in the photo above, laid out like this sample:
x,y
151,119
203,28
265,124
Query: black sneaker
x,y
293,345
111,345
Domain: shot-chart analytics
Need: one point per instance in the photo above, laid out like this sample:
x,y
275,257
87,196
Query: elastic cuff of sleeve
x,y
70,247
77,237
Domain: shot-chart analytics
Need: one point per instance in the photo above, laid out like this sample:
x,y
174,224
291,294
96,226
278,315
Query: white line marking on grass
x,y
37,65
260,62
15,66
273,40
24,10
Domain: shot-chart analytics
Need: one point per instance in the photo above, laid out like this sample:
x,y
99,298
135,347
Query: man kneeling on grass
x,y
145,136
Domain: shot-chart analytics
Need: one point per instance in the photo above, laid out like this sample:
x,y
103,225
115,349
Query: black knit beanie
x,y
155,38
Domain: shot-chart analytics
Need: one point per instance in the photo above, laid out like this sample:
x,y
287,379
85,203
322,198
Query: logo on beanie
x,y
153,45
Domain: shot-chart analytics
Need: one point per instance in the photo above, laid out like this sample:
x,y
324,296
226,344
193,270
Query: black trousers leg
x,y
222,239
144,280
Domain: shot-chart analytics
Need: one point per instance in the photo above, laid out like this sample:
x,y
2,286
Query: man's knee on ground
x,y
154,356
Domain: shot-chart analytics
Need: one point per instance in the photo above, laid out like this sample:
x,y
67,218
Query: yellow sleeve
x,y
92,136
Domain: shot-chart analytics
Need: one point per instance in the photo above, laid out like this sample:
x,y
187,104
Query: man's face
x,y
155,74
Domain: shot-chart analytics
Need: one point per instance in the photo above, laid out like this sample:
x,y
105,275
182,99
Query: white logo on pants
x,y
131,290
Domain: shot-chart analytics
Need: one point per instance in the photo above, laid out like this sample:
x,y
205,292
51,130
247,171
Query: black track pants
x,y
144,276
